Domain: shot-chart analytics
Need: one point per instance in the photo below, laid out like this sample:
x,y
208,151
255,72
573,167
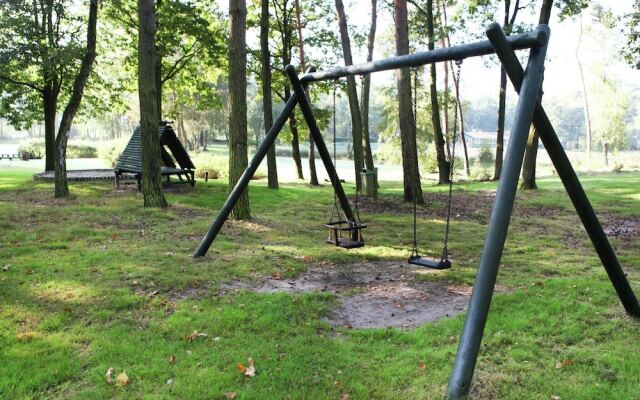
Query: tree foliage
x,y
632,30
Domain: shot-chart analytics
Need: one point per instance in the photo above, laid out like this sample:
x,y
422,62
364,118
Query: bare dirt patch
x,y
372,294
623,228
464,207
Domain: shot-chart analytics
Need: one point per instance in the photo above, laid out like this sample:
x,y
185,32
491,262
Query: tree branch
x,y
17,82
181,62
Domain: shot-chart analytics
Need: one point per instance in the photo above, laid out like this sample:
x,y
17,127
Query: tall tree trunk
x,y
443,164
502,103
313,176
411,172
352,94
61,184
267,103
445,99
531,153
151,187
295,141
458,110
585,100
366,89
50,105
286,60
605,153
238,159
507,26
159,55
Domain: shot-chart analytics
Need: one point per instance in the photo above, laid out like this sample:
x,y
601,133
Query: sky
x,y
480,76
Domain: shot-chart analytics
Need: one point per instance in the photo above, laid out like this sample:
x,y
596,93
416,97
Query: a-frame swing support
x,y
529,110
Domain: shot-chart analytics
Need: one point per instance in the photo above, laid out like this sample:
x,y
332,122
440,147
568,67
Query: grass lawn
x,y
97,282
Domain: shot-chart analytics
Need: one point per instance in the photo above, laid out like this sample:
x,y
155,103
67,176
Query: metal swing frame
x,y
529,110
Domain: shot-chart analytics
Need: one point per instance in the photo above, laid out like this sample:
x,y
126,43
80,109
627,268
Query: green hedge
x,y
37,150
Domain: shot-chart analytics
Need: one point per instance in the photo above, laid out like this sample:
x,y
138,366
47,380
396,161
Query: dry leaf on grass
x,y
109,375
230,395
122,379
194,335
344,396
564,363
249,370
172,359
25,336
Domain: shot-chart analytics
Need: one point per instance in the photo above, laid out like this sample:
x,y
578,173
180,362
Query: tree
x,y
40,48
366,88
238,160
411,173
567,8
507,25
267,103
285,26
352,94
61,184
611,105
585,100
187,33
313,176
632,29
149,118
443,164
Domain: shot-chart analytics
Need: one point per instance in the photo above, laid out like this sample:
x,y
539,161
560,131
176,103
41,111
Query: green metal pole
x,y
569,178
298,89
476,318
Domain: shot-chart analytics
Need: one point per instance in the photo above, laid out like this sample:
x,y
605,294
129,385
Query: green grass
x,y
74,300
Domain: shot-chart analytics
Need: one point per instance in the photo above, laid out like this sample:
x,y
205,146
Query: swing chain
x,y
335,212
414,250
445,247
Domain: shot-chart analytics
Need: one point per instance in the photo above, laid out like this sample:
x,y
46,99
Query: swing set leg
x,y
474,323
298,89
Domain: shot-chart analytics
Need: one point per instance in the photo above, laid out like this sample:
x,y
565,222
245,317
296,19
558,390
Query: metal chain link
x,y
335,212
445,247
414,250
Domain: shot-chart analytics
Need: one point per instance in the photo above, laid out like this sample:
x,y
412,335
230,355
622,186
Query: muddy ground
x,y
372,294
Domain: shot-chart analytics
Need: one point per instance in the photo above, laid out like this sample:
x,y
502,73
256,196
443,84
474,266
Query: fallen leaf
x,y
230,395
122,379
172,359
564,363
114,235
194,335
344,396
554,397
109,375
251,368
240,367
25,336
422,367
6,268
170,382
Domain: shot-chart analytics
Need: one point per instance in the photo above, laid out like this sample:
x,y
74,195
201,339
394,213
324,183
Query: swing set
x,y
347,230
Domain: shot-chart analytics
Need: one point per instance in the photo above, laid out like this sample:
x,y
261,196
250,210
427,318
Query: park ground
x,y
100,298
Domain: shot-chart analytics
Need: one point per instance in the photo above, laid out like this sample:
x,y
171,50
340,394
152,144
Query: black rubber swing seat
x,y
429,263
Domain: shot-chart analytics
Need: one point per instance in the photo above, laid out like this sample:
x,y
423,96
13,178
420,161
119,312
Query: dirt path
x,y
372,294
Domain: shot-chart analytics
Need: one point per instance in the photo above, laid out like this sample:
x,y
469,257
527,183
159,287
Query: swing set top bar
x,y
527,40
